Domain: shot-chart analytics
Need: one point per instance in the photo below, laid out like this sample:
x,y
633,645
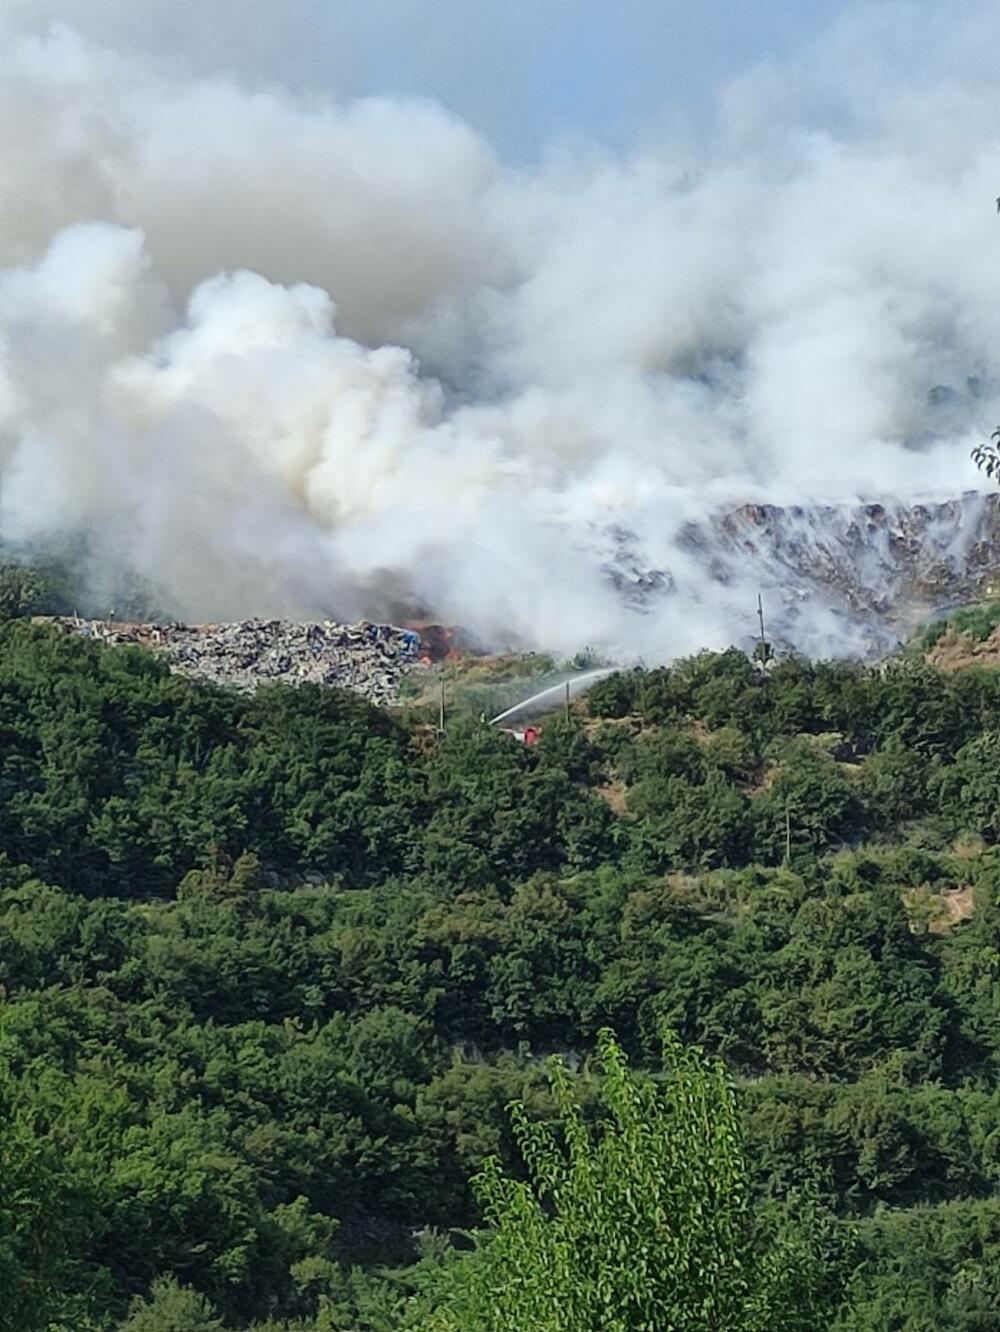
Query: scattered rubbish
x,y
369,659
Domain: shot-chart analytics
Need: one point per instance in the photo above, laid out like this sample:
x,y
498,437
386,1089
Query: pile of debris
x,y
873,558
369,659
852,577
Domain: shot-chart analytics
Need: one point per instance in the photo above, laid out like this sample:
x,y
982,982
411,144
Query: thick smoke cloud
x,y
287,356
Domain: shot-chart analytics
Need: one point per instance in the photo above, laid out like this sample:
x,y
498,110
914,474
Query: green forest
x,y
313,1019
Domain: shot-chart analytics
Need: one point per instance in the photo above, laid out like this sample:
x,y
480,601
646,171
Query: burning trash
x,y
437,642
849,577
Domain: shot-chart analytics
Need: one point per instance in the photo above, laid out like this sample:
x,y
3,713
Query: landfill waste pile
x,y
369,659
836,579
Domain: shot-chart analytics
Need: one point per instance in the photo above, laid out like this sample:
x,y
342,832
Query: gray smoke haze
x,y
285,355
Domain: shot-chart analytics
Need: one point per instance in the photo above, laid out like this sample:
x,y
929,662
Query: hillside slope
x,y
273,967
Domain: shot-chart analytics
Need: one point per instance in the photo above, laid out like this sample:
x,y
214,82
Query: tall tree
x,y
643,1221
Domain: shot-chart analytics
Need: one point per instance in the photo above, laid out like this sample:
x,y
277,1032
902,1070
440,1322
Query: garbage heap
x,y
369,659
847,578
874,559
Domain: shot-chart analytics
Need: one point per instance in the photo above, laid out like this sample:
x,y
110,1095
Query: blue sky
x,y
525,71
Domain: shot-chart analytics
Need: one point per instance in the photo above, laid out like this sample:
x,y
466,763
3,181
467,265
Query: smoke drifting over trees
x,y
283,355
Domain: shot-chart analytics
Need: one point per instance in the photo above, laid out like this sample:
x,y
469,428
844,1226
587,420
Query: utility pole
x,y
788,832
441,710
566,704
762,652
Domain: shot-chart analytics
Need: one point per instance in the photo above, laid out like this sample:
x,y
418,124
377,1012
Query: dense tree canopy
x,y
273,968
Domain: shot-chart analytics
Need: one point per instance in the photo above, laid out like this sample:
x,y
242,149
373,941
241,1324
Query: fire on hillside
x,y
439,642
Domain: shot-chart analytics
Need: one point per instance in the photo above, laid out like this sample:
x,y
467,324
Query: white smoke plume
x,y
283,355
